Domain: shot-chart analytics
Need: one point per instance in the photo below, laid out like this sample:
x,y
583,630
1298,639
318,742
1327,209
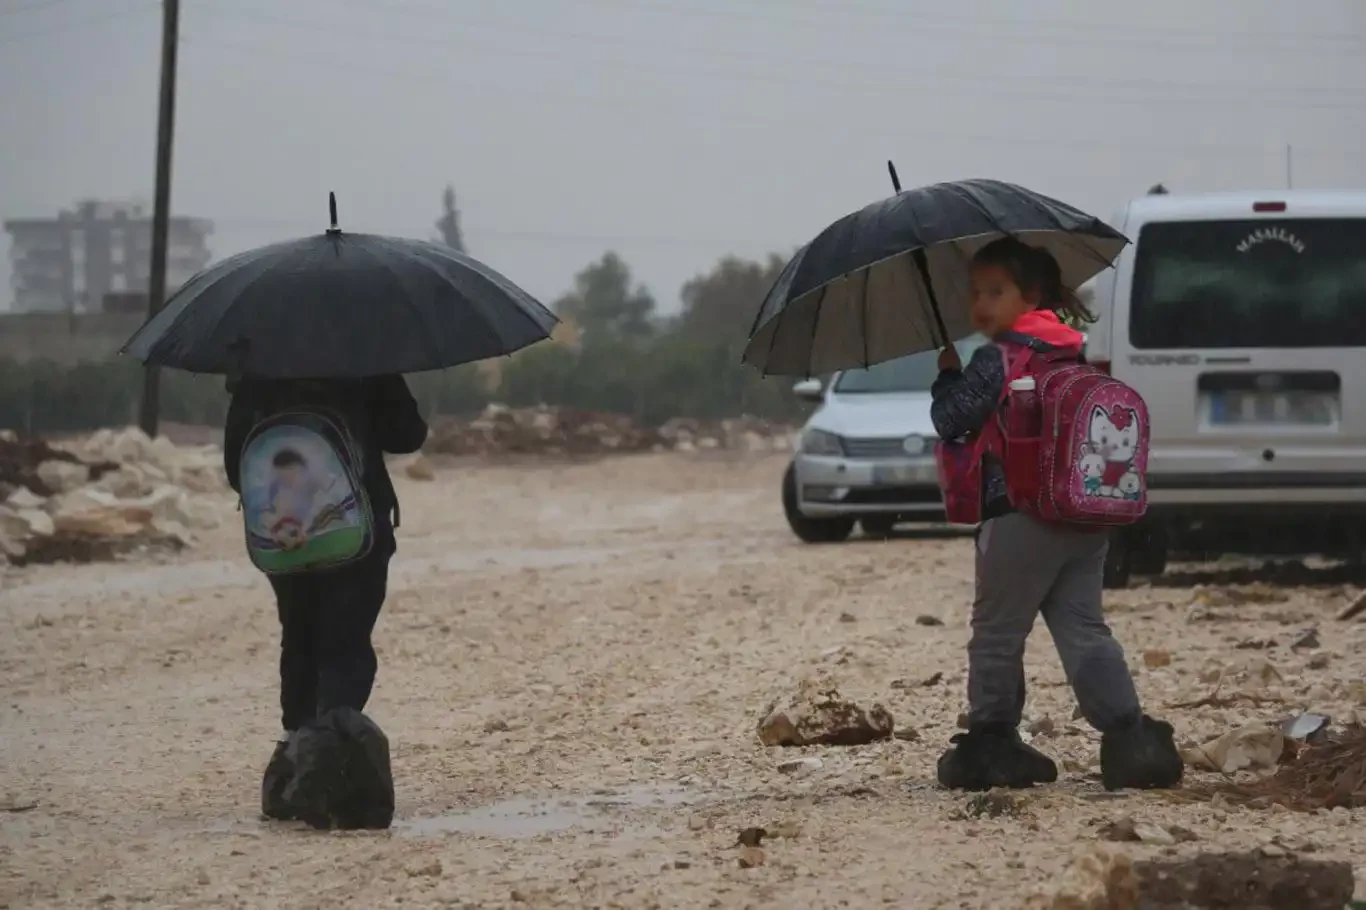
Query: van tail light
x,y
1268,206
1102,365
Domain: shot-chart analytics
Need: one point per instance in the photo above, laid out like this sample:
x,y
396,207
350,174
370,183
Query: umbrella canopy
x,y
893,278
341,306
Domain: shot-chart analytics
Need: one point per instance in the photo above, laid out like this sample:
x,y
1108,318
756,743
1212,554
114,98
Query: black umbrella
x,y
339,305
892,278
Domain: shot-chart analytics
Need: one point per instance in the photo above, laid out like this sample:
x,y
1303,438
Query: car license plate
x,y
897,475
1294,408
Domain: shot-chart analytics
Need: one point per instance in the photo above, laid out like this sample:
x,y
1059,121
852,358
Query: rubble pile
x,y
554,431
112,493
1325,775
746,434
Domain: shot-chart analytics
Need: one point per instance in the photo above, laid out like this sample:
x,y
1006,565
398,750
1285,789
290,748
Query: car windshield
x,y
1296,283
912,373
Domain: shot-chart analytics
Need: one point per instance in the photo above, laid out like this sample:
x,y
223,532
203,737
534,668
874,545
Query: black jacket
x,y
393,425
964,401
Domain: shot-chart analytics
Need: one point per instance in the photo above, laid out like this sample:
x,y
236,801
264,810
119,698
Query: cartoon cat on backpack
x,y
1107,463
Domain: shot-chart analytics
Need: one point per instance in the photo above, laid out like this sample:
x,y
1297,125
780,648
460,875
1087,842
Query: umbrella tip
x,y
891,170
332,212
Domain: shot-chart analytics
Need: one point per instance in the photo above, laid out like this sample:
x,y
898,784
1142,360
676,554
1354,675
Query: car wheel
x,y
1119,563
811,530
878,527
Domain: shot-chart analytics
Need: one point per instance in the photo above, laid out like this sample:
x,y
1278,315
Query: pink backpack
x,y
1086,466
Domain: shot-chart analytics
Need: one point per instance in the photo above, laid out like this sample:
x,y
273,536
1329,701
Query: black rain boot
x,y
343,777
1141,755
279,774
988,757
319,776
367,796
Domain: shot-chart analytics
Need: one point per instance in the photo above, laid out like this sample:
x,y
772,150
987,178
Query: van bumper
x,y
1298,492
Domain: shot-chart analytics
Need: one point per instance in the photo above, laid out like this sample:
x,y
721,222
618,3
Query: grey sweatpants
x,y
1024,568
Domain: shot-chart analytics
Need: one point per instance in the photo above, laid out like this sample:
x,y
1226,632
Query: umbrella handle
x,y
922,263
896,181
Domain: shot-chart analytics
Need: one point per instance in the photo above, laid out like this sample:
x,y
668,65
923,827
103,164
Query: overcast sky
x,y
674,131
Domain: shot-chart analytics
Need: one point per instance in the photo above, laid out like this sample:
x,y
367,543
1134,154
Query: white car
x,y
1241,320
867,454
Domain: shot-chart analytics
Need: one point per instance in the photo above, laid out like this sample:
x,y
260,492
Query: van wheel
x,y
878,527
811,530
1119,563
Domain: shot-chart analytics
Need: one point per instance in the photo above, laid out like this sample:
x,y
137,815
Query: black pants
x,y
326,659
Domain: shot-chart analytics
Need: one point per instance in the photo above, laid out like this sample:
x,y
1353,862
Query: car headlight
x,y
819,442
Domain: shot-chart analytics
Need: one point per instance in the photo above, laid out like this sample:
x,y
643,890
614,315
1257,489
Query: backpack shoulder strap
x,y
1016,359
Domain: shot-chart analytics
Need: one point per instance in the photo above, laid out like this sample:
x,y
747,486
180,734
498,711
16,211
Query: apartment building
x,y
96,250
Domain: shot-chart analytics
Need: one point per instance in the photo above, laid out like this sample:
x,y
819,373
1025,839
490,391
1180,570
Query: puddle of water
x,y
522,817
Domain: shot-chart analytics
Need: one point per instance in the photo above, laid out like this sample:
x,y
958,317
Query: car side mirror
x,y
808,390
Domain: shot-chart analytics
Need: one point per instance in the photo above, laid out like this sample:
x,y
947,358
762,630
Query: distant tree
x,y
604,303
449,222
722,303
1157,189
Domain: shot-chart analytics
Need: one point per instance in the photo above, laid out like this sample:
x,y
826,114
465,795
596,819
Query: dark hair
x,y
285,458
1035,272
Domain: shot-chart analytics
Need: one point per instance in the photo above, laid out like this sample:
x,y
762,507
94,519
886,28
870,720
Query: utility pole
x,y
161,212
1289,166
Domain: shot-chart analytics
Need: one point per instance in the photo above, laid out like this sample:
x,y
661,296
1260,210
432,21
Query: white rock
x,y
62,476
1252,747
1153,834
24,498
39,522
80,501
127,482
168,502
22,525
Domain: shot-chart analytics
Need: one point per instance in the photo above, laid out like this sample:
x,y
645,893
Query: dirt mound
x,y
552,431
1256,880
1249,881
1321,776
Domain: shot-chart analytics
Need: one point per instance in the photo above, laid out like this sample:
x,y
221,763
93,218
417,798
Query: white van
x,y
1241,319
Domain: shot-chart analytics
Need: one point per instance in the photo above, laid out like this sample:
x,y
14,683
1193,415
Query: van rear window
x,y
1291,283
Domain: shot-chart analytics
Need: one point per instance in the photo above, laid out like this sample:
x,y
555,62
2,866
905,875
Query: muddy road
x,y
572,663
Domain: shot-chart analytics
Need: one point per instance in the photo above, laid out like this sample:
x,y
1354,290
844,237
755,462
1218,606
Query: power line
x,y
936,78
76,25
655,105
751,56
1088,32
1091,29
303,226
18,8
